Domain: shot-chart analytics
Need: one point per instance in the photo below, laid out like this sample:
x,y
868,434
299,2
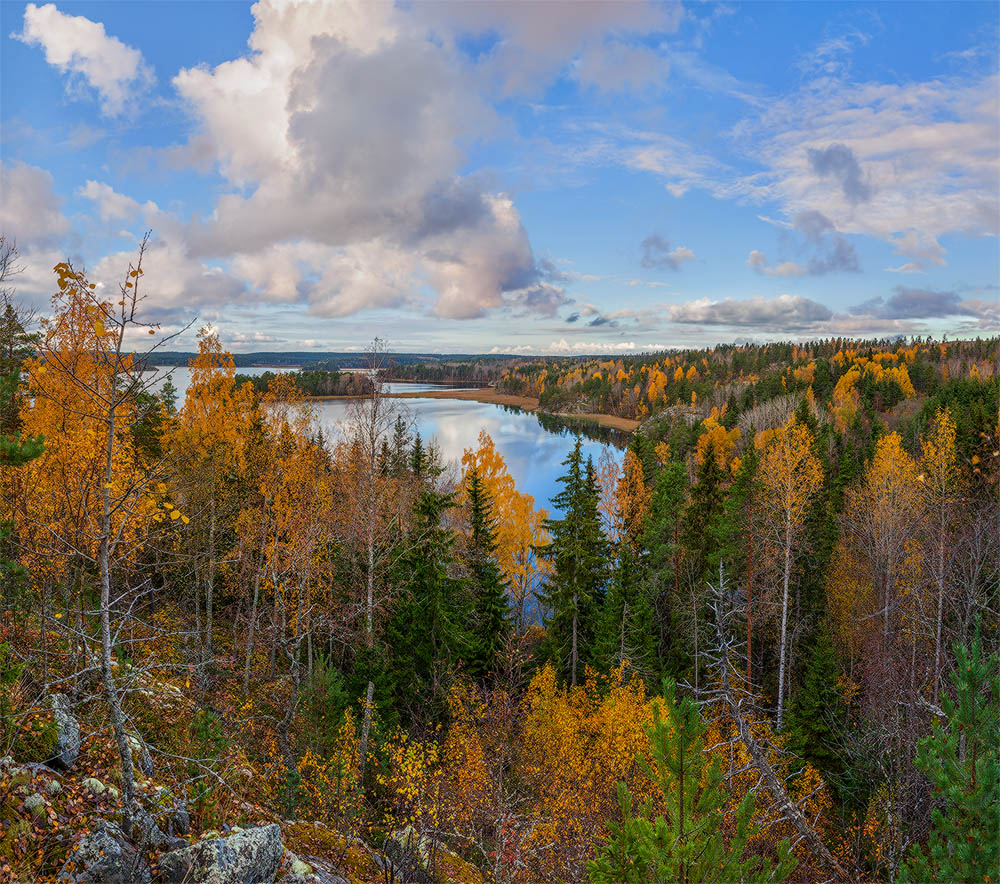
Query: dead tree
x,y
733,691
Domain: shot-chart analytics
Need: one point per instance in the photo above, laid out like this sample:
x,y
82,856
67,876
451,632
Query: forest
x,y
761,645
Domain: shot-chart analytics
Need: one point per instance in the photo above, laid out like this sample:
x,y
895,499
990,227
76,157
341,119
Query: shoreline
x,y
492,397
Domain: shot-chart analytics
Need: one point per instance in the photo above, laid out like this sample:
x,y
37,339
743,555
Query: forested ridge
x,y
759,646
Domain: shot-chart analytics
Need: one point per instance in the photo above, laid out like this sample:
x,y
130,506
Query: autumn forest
x,y
757,644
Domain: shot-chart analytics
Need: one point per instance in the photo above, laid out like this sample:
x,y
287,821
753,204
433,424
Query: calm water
x,y
534,455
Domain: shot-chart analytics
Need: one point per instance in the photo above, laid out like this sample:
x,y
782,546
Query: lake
x,y
534,453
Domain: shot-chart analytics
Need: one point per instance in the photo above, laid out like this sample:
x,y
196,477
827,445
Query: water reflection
x,y
534,451
533,445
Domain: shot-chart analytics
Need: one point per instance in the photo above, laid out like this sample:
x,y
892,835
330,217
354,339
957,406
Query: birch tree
x,y
790,475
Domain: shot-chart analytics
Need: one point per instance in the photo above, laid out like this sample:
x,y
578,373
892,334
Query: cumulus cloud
x,y
518,350
110,203
176,284
784,312
82,49
657,254
909,303
838,161
30,209
353,188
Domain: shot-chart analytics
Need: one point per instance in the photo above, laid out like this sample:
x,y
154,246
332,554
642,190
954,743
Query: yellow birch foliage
x,y
632,500
723,441
519,526
69,381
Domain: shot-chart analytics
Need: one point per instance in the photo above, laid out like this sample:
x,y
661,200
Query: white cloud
x,y
81,48
903,162
30,210
563,346
110,203
534,41
351,197
781,312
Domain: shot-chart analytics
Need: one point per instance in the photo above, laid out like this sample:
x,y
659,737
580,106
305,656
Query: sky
x,y
515,177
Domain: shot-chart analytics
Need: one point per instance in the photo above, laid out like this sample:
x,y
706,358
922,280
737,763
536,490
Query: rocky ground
x,y
61,823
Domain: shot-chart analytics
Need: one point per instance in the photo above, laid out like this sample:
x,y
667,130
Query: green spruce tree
x,y
817,711
626,630
425,634
578,552
490,610
665,552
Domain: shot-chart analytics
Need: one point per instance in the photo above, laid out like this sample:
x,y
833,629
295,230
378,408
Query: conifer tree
x,y
815,710
425,635
490,626
703,527
962,760
578,554
418,458
168,396
16,345
665,551
686,845
626,629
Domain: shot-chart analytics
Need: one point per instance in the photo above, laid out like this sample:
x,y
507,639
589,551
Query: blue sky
x,y
525,177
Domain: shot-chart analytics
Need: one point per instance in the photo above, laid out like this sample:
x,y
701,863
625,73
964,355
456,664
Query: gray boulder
x,y
147,834
67,734
311,871
105,856
250,856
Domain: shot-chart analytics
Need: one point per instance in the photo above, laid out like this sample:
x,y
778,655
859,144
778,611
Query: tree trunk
x,y
749,593
784,623
366,726
110,688
940,609
253,631
210,584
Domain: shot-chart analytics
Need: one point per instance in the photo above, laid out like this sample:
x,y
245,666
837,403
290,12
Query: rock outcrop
x,y
250,856
67,734
105,856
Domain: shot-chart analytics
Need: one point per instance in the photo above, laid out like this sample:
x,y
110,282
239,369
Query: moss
x,y
37,740
449,868
352,861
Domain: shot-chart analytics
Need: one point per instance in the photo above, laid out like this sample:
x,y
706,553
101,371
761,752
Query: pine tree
x,y
962,760
168,396
686,845
490,626
578,553
16,345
